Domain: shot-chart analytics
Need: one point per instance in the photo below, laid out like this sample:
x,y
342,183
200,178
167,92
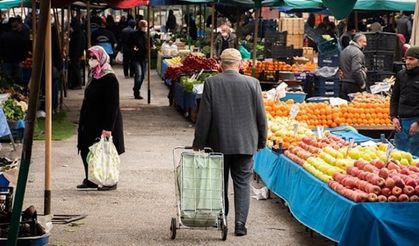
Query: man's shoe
x,y
138,97
240,230
106,188
86,184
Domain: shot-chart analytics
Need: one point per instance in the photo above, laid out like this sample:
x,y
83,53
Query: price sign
x,y
294,111
295,128
390,149
350,146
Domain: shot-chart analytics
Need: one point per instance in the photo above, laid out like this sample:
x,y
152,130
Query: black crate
x,y
277,38
334,92
281,52
328,61
327,87
382,61
329,47
381,41
377,76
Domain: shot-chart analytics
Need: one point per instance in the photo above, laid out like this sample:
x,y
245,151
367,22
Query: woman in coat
x,y
100,114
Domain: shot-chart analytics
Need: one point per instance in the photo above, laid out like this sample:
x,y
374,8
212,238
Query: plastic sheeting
x,y
317,206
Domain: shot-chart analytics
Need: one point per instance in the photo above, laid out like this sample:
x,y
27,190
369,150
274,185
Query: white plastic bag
x,y
119,59
103,161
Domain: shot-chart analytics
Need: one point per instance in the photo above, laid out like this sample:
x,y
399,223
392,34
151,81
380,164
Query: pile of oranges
x,y
273,66
322,114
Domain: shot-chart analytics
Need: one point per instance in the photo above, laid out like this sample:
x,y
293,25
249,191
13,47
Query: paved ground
x,y
139,211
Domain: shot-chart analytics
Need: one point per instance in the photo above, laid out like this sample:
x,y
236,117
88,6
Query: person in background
x,y
232,104
103,37
171,22
76,50
138,45
200,24
100,113
14,48
191,25
112,26
122,23
404,104
347,36
404,26
126,50
352,65
225,39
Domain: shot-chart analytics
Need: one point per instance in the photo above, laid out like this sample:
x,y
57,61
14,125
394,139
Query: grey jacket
x,y
352,64
219,43
231,118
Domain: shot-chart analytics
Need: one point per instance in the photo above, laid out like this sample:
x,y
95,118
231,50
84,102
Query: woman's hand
x,y
106,134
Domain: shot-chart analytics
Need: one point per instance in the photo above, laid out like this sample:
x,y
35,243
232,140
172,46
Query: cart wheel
x,y
224,231
173,229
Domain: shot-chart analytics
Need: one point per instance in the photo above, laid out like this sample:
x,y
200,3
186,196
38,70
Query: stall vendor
x,y
352,65
404,105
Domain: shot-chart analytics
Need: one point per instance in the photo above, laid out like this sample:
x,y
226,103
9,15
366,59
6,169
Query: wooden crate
x,y
297,40
292,25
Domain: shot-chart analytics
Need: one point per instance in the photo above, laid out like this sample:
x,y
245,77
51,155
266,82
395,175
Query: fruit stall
x,y
348,187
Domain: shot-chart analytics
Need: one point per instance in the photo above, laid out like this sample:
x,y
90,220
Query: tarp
x,y
390,5
315,205
7,4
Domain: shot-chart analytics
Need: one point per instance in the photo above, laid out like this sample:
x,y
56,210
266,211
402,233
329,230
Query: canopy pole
x,y
356,20
30,125
255,39
33,25
48,116
212,30
188,23
89,31
148,56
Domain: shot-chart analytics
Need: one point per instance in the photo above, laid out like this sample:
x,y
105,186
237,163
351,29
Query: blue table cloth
x,y
164,67
4,126
184,99
316,205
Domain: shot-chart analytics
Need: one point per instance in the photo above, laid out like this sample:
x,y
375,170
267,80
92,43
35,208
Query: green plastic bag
x,y
245,53
103,163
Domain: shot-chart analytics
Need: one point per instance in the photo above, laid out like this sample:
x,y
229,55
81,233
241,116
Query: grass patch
x,y
62,128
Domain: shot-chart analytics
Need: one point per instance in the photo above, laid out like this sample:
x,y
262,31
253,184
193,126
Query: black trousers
x,y
127,64
83,154
74,75
348,88
241,167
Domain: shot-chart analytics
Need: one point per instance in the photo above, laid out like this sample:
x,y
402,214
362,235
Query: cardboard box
x,y
297,40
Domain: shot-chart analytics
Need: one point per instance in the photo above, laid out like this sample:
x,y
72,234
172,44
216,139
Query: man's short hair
x,y
358,36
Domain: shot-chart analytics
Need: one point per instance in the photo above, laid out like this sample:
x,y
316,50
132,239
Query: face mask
x,y
224,34
144,29
93,63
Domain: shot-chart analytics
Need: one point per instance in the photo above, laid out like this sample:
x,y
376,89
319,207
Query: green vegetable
x,y
13,110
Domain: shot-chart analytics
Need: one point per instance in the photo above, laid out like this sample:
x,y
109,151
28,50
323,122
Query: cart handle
x,y
206,149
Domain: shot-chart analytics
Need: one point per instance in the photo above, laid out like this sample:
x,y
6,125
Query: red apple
x,y
393,166
414,198
413,169
383,173
396,191
369,168
352,170
409,190
373,189
339,177
411,182
378,164
386,191
379,181
403,198
392,198
405,171
372,197
399,183
382,198
363,175
417,190
359,164
390,183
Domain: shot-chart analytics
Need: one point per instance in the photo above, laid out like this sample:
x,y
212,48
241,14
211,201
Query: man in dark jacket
x,y
138,45
404,26
103,37
352,65
404,105
171,22
77,46
14,48
126,51
225,39
232,121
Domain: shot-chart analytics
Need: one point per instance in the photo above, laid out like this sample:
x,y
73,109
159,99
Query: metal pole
x,y
30,125
149,56
212,30
48,117
188,23
255,39
356,20
89,31
33,25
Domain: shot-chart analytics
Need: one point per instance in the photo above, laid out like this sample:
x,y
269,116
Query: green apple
x,y
404,162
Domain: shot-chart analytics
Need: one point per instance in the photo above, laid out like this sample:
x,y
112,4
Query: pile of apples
x,y
312,147
377,181
369,153
281,130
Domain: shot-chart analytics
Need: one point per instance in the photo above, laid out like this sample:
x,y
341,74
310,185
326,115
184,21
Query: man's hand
x,y
396,124
106,134
414,128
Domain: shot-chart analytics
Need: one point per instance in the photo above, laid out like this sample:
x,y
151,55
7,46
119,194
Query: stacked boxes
x,y
327,87
295,29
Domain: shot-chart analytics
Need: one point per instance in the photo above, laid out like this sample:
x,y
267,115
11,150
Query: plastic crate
x,y
379,60
279,52
334,92
296,96
277,38
328,61
327,83
381,41
329,48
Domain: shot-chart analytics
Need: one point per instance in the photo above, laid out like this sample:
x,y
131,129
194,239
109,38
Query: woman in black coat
x,y
100,113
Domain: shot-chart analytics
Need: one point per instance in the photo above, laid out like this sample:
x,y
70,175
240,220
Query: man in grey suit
x,y
232,120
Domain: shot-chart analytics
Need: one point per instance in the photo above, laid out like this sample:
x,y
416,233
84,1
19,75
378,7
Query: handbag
x,y
103,163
